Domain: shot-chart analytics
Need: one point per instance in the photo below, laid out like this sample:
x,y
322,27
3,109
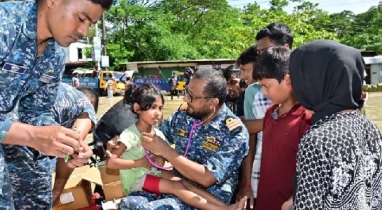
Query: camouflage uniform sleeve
x,y
87,107
6,41
37,109
229,156
5,125
161,135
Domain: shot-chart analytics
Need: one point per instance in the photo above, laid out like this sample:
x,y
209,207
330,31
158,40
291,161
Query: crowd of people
x,y
282,131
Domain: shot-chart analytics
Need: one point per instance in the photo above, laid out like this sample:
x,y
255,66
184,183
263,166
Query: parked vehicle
x,y
97,83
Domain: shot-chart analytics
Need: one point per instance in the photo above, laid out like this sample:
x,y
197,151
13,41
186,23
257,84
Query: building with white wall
x,y
75,52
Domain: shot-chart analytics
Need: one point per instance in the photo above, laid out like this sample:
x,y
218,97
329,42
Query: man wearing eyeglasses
x,y
256,104
217,140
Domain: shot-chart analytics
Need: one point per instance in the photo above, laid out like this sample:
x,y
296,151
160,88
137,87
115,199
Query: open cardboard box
x,y
111,182
78,190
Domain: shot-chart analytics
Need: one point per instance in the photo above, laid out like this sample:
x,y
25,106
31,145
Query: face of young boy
x,y
277,92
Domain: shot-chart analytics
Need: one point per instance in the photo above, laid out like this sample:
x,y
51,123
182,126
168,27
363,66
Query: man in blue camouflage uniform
x,y
33,188
217,149
75,111
32,64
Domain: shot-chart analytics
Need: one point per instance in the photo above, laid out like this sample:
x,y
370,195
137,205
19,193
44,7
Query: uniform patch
x,y
14,68
211,143
232,123
50,71
182,133
45,78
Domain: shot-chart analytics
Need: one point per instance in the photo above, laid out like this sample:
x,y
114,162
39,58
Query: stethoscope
x,y
194,125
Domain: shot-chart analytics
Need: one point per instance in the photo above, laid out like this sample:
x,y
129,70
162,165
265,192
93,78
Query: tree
x,y
140,30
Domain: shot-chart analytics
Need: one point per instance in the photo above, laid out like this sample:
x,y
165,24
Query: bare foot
x,y
239,205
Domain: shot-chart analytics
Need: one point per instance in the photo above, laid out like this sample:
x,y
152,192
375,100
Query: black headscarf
x,y
326,77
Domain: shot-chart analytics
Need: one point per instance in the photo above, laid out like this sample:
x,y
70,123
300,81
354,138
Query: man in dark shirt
x,y
235,101
236,90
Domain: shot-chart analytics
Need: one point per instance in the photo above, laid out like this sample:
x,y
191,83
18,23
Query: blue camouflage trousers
x,y
31,178
148,201
6,199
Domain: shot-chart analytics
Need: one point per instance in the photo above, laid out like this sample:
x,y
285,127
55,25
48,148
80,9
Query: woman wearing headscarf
x,y
339,158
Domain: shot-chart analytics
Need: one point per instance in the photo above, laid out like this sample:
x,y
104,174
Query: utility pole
x,y
104,36
96,35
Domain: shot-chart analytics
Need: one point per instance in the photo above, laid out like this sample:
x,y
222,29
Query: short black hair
x,y
105,4
278,33
273,63
90,93
231,71
250,55
216,84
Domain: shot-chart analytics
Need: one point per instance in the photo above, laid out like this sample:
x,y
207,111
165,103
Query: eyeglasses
x,y
190,98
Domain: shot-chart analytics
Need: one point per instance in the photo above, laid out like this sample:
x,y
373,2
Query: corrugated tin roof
x,y
373,60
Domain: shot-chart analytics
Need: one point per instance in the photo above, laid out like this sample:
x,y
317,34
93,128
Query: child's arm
x,y
116,162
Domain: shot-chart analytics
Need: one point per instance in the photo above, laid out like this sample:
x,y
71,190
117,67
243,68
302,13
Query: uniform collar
x,y
296,110
216,122
30,25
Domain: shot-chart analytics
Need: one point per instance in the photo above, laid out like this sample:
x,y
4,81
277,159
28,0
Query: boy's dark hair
x,y
105,4
278,33
231,71
216,84
250,55
273,63
144,96
90,93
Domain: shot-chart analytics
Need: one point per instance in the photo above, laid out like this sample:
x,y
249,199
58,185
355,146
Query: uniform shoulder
x,y
14,11
232,123
181,112
69,90
12,18
71,95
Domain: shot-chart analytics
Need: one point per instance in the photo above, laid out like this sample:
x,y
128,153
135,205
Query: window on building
x,y
79,52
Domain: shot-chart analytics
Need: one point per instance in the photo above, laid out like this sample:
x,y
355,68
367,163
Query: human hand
x,y
363,95
55,141
81,158
158,160
143,162
154,144
246,191
111,144
288,205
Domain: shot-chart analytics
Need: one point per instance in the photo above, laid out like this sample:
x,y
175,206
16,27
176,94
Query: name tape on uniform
x,y
14,68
